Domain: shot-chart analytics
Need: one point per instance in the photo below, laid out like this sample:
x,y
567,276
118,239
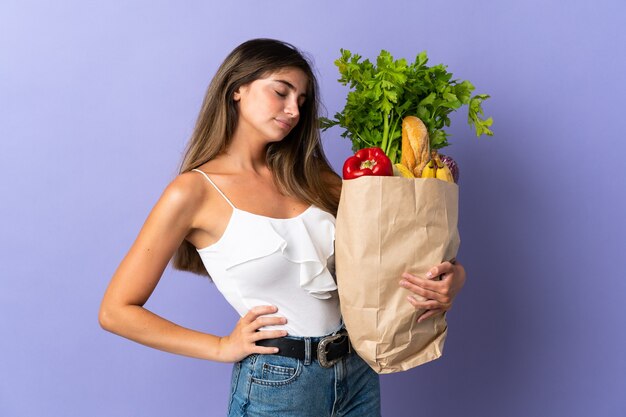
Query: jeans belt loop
x,y
307,351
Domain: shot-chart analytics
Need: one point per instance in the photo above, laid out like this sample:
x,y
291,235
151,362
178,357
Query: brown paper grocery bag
x,y
386,226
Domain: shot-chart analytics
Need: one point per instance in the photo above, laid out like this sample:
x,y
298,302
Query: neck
x,y
246,155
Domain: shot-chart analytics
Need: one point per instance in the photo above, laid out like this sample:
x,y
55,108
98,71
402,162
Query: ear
x,y
241,90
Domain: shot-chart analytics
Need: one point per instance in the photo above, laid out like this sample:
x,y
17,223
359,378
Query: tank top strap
x,y
215,186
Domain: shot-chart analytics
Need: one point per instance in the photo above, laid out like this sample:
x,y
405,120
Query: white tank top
x,y
261,260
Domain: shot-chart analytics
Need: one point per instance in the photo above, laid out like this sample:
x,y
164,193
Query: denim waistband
x,y
318,338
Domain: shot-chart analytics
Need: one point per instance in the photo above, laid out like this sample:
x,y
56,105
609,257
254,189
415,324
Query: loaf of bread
x,y
415,145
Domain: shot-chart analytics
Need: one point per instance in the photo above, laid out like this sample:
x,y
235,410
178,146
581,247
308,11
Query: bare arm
x,y
122,310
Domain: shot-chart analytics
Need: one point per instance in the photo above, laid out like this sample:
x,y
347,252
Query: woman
x,y
254,207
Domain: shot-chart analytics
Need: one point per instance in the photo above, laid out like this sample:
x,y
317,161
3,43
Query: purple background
x,y
97,100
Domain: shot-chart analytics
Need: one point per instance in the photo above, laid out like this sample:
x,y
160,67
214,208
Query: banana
x,y
429,170
434,168
443,172
404,171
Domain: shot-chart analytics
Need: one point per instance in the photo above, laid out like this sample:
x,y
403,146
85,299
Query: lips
x,y
285,124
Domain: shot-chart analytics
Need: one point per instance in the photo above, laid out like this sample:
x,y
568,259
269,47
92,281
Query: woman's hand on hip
x,y
434,296
242,341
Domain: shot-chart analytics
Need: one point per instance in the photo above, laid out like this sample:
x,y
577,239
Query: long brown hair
x,y
297,162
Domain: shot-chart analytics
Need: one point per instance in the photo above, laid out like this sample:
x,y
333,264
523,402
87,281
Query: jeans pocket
x,y
276,370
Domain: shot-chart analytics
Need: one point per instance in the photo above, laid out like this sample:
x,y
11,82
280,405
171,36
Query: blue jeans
x,y
278,386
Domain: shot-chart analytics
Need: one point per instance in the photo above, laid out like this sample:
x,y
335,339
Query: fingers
x,y
265,321
434,296
242,340
428,314
427,304
266,334
441,269
432,290
265,350
257,311
257,317
452,280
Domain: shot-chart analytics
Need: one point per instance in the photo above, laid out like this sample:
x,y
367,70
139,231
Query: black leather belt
x,y
328,351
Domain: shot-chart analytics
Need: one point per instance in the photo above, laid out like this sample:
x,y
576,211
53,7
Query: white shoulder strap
x,y
215,186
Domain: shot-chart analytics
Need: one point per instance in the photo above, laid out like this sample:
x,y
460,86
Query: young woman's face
x,y
270,107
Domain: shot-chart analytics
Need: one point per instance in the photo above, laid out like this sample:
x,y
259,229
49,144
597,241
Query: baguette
x,y
415,145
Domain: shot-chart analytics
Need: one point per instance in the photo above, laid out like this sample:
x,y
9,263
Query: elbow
x,y
106,318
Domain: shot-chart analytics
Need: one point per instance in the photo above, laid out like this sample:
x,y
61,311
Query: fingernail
x,y
431,273
403,283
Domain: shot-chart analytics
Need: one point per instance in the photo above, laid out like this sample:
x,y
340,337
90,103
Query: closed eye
x,y
281,94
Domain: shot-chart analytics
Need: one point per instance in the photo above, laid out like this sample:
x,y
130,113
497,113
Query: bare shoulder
x,y
184,195
187,189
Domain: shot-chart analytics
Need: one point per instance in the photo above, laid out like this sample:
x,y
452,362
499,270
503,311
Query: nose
x,y
292,109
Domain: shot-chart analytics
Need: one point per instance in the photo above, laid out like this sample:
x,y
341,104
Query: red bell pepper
x,y
368,161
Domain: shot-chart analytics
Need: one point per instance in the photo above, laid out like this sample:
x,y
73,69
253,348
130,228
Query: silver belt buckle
x,y
321,349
